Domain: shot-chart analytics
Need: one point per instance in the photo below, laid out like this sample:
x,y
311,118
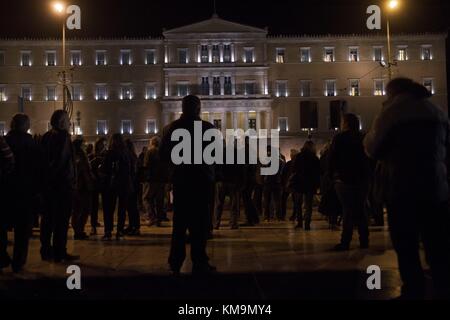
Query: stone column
x,y
258,120
224,121
222,85
245,121
235,119
166,85
268,119
221,52
233,53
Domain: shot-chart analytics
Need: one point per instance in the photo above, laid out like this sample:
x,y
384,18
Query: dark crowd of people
x,y
400,165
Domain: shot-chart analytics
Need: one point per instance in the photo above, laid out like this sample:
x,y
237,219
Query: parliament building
x,y
245,78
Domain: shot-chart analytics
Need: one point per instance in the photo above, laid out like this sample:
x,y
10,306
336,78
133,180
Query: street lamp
x,y
59,8
391,6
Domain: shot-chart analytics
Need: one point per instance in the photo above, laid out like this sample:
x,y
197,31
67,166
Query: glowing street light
x,y
58,7
393,4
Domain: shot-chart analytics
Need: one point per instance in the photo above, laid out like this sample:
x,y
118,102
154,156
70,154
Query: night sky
x,y
143,18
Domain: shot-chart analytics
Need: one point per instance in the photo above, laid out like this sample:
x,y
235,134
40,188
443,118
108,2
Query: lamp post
x,y
59,8
391,6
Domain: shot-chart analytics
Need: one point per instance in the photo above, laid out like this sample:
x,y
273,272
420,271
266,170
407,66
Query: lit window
x,y
101,92
227,53
25,58
305,55
125,57
151,128
378,54
51,93
204,54
3,96
329,55
215,54
100,58
305,88
283,125
26,93
249,87
150,91
126,92
76,95
354,88
429,84
281,88
102,127
249,55
330,88
228,86
427,53
182,89
379,87
216,86
353,54
402,54
50,58
75,58
150,56
126,127
183,56
204,87
280,55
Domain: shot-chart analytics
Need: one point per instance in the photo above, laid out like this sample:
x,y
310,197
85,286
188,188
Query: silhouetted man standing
x,y
192,187
60,184
410,138
23,186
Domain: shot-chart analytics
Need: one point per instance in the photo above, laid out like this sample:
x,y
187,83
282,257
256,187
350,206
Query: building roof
x,y
214,25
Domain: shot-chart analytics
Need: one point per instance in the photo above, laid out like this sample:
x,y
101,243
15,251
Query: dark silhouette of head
x,y
191,107
117,143
60,120
350,122
78,144
20,123
309,146
400,86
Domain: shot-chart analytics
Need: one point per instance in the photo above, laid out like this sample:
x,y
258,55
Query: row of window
x,y
76,58
217,54
183,88
126,127
329,54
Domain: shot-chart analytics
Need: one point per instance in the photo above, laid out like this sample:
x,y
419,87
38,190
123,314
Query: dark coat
x,y
155,170
347,160
305,176
187,173
59,159
26,179
118,172
410,138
